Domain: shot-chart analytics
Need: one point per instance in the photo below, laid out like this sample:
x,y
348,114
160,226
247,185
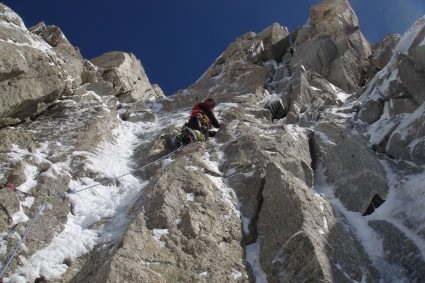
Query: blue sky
x,y
177,41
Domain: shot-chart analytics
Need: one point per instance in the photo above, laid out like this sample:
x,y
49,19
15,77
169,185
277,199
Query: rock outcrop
x,y
39,65
383,50
125,74
397,93
332,45
32,76
240,64
316,173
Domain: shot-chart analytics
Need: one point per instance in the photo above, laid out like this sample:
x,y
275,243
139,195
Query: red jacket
x,y
197,110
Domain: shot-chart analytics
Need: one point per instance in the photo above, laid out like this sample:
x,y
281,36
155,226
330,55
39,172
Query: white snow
x,y
3,244
158,233
73,242
190,196
408,38
342,96
253,258
28,202
192,168
19,217
235,274
30,175
333,87
325,220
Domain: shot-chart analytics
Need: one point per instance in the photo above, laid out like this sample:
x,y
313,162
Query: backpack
x,y
203,122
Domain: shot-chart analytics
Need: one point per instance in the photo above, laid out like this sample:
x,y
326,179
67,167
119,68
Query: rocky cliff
x,y
316,174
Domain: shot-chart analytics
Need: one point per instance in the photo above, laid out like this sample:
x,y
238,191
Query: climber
x,y
201,120
202,117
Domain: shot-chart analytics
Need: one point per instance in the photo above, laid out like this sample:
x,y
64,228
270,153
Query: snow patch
x,y
71,243
167,161
28,202
245,224
253,258
3,245
409,37
157,234
19,217
342,96
192,168
235,274
190,196
325,220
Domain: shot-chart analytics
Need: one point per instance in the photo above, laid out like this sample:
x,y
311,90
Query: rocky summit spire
x,y
315,175
331,44
333,17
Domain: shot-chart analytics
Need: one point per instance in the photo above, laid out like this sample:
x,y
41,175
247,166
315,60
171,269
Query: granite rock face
x,y
32,75
332,45
316,173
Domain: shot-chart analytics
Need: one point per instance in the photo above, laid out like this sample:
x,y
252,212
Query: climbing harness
x,y
43,206
188,136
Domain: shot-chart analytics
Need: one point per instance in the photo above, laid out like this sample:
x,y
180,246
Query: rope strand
x,y
40,209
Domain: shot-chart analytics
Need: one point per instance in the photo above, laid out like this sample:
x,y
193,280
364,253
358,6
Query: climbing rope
x,y
41,207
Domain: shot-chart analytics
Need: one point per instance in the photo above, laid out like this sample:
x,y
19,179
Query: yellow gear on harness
x,y
199,136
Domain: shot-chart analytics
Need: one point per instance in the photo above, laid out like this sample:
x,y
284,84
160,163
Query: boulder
x,y
127,76
52,221
356,174
275,42
10,138
301,239
372,111
8,207
308,91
